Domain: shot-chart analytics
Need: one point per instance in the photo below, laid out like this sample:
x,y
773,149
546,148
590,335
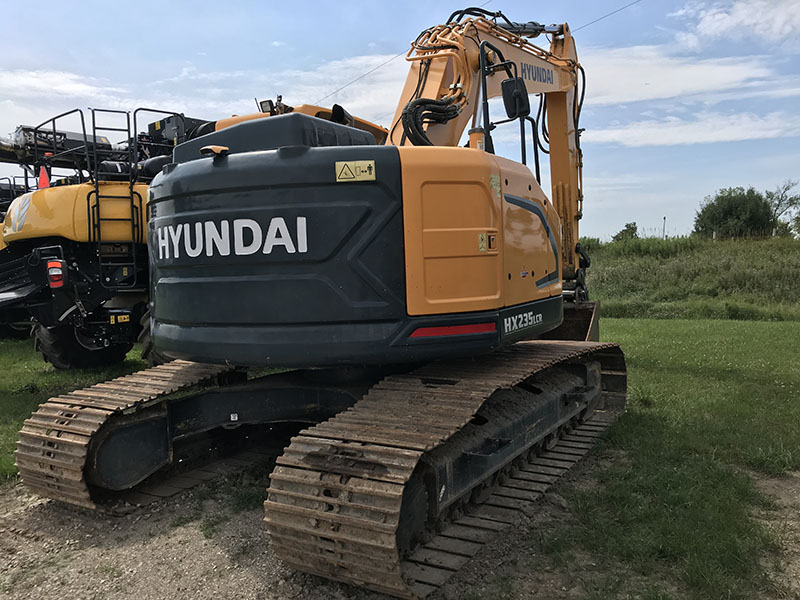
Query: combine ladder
x,y
116,260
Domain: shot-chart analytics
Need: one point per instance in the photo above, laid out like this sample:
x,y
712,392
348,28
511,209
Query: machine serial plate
x,y
355,170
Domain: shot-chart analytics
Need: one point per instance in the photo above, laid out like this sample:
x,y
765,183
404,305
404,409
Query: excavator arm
x,y
458,66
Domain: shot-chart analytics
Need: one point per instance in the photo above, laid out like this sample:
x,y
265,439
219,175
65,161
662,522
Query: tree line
x,y
737,212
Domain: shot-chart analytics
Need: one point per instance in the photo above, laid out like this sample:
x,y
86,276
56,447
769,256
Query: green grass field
x,y
710,402
697,279
27,380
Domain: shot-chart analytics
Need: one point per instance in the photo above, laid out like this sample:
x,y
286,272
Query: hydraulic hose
x,y
426,110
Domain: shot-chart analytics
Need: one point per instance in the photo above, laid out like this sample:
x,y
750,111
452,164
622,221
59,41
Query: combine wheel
x,y
14,332
16,325
149,352
62,347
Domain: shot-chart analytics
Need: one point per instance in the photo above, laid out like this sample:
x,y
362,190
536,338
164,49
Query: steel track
x,y
430,566
335,498
336,495
54,443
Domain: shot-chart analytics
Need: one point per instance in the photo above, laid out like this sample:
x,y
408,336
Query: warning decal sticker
x,y
355,170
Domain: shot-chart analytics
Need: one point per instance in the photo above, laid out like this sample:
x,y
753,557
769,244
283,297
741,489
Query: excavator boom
x,y
445,90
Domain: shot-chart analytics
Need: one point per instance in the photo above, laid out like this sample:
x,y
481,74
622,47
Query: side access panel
x,y
452,218
531,237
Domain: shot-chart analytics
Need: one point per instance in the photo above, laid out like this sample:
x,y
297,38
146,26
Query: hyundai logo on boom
x,y
534,73
240,237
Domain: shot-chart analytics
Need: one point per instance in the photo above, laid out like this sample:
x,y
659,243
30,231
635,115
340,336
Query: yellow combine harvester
x,y
73,257
410,283
14,322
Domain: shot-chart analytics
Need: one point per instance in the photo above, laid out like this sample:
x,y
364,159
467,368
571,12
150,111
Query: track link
x,y
54,443
335,500
430,566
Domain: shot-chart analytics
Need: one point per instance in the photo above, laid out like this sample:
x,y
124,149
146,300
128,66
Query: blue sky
x,y
683,97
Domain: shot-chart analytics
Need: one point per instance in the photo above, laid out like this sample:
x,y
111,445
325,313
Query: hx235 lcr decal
x,y
521,321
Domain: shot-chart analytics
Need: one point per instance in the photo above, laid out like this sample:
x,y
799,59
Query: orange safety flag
x,y
44,179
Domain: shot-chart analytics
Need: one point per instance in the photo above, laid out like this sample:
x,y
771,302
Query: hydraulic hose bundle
x,y
442,41
426,110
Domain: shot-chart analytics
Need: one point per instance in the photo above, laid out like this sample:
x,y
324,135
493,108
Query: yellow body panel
x,y
61,211
528,254
465,246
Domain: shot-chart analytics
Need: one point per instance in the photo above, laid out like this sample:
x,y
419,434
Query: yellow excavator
x,y
428,297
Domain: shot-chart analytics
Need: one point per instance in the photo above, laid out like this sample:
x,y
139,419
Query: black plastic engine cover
x,y
293,129
260,244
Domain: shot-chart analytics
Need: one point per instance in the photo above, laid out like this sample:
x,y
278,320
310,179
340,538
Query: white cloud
x,y
47,84
608,184
690,9
371,97
766,20
30,97
616,77
278,44
704,128
645,73
191,73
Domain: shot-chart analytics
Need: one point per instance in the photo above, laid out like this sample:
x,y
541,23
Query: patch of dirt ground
x,y
194,546
784,523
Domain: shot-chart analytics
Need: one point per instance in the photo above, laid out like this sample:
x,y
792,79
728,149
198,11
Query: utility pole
x,y
664,230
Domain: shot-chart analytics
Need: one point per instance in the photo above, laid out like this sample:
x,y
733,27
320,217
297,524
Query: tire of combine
x,y
14,333
60,347
149,352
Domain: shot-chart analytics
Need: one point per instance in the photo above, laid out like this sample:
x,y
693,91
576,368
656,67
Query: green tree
x,y
782,229
734,212
781,202
628,232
